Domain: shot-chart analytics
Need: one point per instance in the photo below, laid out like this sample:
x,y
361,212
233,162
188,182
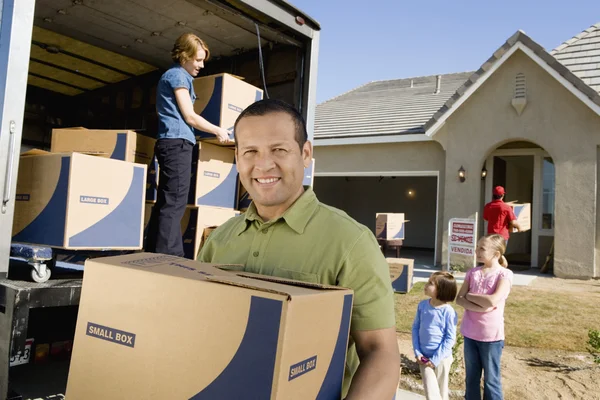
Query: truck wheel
x,y
40,278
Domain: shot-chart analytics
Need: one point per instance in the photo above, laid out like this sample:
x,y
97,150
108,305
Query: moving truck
x,y
96,64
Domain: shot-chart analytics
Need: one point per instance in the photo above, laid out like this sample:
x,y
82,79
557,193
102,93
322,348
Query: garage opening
x,y
362,197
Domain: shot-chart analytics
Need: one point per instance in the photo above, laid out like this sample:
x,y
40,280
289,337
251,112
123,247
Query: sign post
x,y
462,241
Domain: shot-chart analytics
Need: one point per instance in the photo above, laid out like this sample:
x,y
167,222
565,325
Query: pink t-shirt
x,y
485,327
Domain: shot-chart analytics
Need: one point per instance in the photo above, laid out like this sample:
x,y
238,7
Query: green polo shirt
x,y
312,242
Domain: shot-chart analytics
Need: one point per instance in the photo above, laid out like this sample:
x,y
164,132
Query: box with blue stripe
x,y
214,176
220,99
401,273
121,144
195,220
390,226
78,201
207,334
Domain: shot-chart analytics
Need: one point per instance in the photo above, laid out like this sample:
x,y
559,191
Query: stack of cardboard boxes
x,y
86,194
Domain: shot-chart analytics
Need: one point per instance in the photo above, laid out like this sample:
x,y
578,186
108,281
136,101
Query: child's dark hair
x,y
445,286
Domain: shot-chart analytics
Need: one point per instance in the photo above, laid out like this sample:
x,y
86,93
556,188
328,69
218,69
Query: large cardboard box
x,y
390,226
78,201
220,99
160,327
194,223
214,176
122,145
401,273
244,198
523,213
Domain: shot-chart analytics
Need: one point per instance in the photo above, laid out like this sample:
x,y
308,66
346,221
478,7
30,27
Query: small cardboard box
x,y
78,201
523,213
122,145
244,198
194,223
220,99
214,176
206,334
389,226
401,274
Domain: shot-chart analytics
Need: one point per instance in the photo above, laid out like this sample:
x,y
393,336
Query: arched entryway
x,y
527,173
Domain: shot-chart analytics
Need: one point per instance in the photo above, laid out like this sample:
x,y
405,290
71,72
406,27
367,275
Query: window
x,y
548,193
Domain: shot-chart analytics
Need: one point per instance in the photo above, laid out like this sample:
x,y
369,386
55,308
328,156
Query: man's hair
x,y
186,46
268,106
445,286
497,196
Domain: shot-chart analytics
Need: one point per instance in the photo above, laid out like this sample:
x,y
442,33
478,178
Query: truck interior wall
x,y
363,197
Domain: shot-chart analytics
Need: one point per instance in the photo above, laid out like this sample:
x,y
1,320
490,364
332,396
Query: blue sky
x,y
385,39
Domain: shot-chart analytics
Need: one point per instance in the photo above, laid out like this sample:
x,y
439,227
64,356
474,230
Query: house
x,y
527,119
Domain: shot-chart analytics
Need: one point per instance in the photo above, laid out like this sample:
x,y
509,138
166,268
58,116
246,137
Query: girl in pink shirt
x,y
483,296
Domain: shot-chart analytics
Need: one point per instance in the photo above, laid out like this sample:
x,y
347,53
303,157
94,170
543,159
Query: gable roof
x,y
519,41
384,108
581,54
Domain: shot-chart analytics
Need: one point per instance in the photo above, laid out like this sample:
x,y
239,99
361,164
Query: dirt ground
x,y
528,373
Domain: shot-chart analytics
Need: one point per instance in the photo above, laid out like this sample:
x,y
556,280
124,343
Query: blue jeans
x,y
483,356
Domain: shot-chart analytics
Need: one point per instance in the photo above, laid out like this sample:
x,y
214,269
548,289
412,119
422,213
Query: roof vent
x,y
519,100
438,84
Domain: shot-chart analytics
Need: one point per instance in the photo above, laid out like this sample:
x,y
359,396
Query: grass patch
x,y
533,317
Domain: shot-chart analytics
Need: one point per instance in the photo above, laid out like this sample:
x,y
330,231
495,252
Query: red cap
x,y
499,191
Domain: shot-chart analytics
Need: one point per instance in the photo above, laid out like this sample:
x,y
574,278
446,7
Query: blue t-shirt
x,y
434,331
171,124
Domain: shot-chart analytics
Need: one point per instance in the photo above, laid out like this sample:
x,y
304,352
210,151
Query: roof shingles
x,y
581,54
385,107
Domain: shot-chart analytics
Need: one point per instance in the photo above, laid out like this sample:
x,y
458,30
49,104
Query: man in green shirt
x,y
288,233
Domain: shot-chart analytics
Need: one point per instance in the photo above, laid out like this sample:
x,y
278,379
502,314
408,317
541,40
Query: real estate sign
x,y
462,240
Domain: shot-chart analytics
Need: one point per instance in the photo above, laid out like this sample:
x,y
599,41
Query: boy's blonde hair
x,y
186,46
498,243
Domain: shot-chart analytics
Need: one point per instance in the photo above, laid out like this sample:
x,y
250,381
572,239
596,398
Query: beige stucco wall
x,y
553,118
411,157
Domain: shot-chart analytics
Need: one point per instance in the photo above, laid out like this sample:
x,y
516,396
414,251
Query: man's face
x,y
269,160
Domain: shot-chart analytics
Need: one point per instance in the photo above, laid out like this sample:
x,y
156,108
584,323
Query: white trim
x,y
332,141
538,60
536,212
379,173
435,174
536,204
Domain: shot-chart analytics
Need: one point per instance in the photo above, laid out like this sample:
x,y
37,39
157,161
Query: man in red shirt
x,y
499,215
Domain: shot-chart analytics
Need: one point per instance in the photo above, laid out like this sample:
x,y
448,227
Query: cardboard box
x,y
122,145
220,99
523,213
214,176
389,226
161,327
401,274
244,198
78,201
194,223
